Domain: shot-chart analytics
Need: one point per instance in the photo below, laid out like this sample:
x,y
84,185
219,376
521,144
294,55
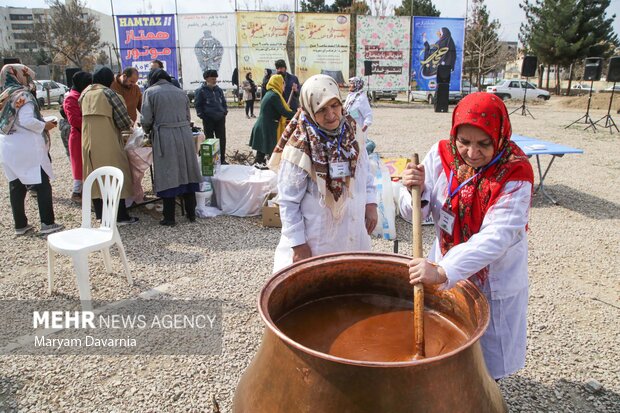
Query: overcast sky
x,y
507,11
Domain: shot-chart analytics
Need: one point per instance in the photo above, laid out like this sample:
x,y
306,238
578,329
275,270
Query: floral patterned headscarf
x,y
17,88
469,206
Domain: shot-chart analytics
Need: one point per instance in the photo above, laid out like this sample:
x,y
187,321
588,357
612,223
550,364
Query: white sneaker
x,y
51,228
22,231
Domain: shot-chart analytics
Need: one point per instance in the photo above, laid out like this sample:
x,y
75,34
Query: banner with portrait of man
x,y
436,41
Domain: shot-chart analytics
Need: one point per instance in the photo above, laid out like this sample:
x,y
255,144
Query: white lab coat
x,y
304,219
23,152
501,244
360,110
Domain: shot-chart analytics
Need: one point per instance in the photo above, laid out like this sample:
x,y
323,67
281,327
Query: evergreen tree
x,y
314,6
416,8
562,32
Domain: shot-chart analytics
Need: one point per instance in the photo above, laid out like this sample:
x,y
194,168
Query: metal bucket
x,y
286,377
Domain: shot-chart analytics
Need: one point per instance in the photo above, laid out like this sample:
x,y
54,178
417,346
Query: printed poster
x,y
385,42
262,39
143,38
207,41
322,45
436,41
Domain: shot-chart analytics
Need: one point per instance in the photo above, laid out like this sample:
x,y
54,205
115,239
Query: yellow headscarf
x,y
276,85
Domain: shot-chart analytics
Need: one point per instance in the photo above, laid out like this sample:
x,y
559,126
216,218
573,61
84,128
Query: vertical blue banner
x,y
142,38
436,41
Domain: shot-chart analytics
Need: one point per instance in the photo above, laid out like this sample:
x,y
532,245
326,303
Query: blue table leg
x,y
542,176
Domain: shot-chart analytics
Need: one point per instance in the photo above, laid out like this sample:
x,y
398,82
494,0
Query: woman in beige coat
x,y
104,115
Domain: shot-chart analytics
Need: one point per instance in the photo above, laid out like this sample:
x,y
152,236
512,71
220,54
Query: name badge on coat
x,y
339,169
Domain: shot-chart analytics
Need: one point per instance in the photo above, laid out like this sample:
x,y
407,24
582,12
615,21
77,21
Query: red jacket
x,y
74,114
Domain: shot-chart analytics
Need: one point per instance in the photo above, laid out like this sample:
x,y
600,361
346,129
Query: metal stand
x,y
587,119
542,176
524,110
609,121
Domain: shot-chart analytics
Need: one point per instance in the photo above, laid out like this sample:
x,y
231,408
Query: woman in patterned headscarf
x,y
357,105
478,187
326,195
24,147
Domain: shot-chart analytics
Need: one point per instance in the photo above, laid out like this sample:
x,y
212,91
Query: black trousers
x,y
122,215
249,107
17,194
189,200
260,157
217,127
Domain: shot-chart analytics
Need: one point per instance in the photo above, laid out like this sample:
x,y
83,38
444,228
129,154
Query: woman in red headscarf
x,y
478,187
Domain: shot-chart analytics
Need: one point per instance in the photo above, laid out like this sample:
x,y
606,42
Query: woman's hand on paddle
x,y
423,271
413,175
371,217
49,125
301,252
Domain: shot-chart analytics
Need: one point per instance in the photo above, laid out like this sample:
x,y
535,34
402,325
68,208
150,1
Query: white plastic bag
x,y
136,139
386,210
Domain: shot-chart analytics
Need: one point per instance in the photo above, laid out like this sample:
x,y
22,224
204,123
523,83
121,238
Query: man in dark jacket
x,y
212,109
291,85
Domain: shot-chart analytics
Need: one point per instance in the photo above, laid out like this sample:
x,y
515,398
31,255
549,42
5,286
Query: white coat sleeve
x,y
365,111
371,189
26,119
292,186
501,227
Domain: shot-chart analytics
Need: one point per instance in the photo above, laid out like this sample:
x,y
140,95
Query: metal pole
x,y
116,44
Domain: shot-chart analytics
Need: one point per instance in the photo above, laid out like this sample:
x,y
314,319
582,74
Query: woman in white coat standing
x,y
24,147
327,196
356,105
478,187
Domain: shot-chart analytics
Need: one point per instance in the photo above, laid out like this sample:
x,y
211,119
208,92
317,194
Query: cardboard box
x,y
210,157
271,214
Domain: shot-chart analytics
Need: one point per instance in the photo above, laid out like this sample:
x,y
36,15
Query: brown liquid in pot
x,y
368,327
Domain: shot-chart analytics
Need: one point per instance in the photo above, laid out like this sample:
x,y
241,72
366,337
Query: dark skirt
x,y
179,190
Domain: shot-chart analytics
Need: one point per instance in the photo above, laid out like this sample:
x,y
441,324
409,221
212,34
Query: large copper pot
x,y
286,377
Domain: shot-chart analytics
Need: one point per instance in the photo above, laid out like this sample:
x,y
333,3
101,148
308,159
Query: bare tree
x,y
482,43
380,7
70,33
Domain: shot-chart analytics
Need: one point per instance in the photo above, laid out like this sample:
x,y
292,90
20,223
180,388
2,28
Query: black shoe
x,y
224,162
191,218
167,223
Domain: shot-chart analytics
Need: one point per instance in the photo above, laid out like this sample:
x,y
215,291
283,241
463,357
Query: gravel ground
x,y
573,333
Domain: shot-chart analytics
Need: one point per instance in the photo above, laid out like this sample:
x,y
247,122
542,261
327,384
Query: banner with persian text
x,y
436,41
261,40
207,41
322,45
143,38
384,41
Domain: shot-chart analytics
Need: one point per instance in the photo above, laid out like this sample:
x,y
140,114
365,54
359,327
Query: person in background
x,y
211,107
104,116
126,85
326,194
266,77
71,107
274,112
165,112
24,147
65,130
357,105
249,95
158,64
291,85
478,187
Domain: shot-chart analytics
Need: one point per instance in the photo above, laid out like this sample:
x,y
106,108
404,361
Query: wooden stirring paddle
x,y
418,289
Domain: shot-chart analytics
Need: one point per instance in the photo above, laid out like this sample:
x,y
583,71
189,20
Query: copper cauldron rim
x,y
361,255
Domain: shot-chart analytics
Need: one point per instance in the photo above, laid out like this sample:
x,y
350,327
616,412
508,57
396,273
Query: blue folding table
x,y
536,147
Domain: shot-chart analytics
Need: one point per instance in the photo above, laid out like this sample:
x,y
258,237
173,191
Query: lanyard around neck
x,y
323,135
458,188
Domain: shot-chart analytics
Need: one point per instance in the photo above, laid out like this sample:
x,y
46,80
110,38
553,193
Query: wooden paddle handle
x,y
418,289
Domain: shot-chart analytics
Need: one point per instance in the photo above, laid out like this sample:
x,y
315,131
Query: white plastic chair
x,y
79,242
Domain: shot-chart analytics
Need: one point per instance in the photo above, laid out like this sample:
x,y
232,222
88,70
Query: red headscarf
x,y
487,112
